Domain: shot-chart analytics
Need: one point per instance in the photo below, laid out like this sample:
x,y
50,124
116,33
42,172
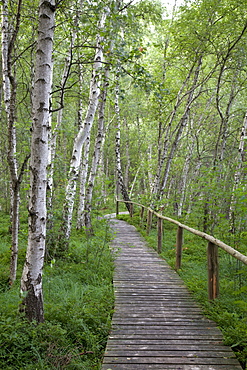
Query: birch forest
x,y
136,100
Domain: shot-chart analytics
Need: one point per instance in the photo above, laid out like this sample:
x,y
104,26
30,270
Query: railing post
x,y
149,221
117,207
142,213
179,245
213,271
160,234
131,209
142,216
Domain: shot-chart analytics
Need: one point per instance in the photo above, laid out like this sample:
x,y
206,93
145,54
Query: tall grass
x,y
78,302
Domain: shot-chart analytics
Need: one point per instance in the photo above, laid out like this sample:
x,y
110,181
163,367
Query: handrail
x,y
213,244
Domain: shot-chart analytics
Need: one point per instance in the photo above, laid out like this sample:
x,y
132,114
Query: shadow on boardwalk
x,y
156,323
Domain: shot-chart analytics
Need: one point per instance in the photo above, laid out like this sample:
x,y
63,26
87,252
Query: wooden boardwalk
x,y
156,323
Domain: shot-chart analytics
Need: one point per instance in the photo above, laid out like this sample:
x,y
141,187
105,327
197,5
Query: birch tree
x,y
238,174
59,109
84,131
83,185
224,113
97,152
9,36
31,281
182,124
119,172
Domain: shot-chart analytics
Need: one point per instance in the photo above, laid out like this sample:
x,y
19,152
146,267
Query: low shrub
x,y
78,303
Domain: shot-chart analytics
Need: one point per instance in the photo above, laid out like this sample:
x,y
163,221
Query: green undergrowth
x,y
229,311
78,303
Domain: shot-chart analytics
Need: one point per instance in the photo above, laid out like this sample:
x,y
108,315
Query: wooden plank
x,y
216,351
123,352
160,320
164,336
172,360
156,323
167,367
175,343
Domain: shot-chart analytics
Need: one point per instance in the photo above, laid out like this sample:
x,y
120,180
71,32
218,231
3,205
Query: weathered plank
x,y
162,367
156,324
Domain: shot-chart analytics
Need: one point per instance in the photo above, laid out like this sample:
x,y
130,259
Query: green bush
x,y
78,303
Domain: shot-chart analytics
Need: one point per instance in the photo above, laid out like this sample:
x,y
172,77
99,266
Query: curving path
x,y
156,323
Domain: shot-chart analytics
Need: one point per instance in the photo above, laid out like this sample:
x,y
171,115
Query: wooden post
x,y
179,245
160,234
142,213
149,221
117,207
213,271
131,209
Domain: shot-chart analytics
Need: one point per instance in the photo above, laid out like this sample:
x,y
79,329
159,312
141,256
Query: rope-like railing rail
x,y
212,251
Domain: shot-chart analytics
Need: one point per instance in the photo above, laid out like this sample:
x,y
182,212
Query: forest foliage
x,y
143,102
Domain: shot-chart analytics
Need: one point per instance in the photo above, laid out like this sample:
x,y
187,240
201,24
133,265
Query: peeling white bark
x,y
9,34
119,172
97,152
182,124
84,132
83,183
31,281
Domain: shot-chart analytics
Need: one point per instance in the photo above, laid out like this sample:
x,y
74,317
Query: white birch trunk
x,y
151,182
134,181
9,35
103,169
83,133
194,197
127,155
55,131
156,186
119,172
183,181
31,281
97,153
83,174
182,124
83,183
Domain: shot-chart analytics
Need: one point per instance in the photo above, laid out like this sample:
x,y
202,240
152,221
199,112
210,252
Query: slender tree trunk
x,y
97,152
55,131
152,183
119,172
103,170
237,175
31,281
220,149
183,182
83,183
83,134
182,124
224,118
127,155
163,151
83,174
134,181
9,35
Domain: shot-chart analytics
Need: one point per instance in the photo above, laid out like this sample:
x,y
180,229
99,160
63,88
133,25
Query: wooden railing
x,y
212,250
